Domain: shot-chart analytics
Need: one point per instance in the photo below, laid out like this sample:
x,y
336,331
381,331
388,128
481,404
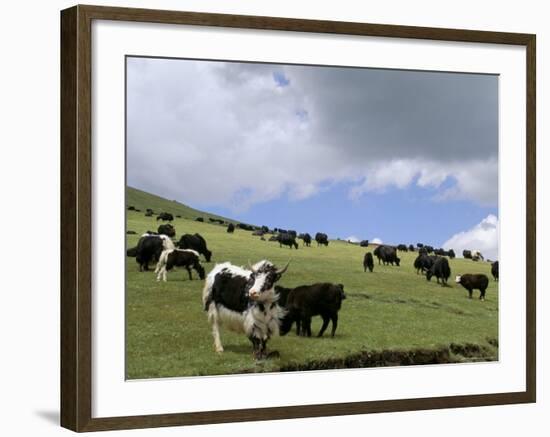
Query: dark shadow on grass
x,y
358,295
238,349
453,353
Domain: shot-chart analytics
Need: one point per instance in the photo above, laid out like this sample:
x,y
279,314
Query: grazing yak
x,y
196,243
387,255
322,239
274,238
150,247
467,254
474,282
171,258
304,302
418,264
131,252
287,240
494,270
245,227
443,252
131,208
165,217
167,230
244,300
258,233
440,269
424,262
306,239
368,262
419,245
364,243
199,219
131,232
149,214
230,228
476,255
402,247
411,248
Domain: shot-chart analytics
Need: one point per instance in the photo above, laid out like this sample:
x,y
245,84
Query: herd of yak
x,y
436,265
247,299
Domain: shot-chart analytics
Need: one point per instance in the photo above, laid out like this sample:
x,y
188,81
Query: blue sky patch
x,y
280,79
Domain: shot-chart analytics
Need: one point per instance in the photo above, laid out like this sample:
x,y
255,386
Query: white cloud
x,y
376,241
482,237
228,134
473,180
353,239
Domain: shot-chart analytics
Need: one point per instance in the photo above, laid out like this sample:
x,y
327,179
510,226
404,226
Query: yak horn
x,y
280,272
250,267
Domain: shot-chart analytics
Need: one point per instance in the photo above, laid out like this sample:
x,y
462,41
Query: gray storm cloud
x,y
226,133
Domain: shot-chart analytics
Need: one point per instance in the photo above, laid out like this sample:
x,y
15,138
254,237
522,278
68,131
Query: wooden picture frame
x,y
76,217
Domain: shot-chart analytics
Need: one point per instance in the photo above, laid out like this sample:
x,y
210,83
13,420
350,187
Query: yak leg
x,y
326,319
482,294
189,271
298,326
334,323
214,321
306,326
258,347
470,293
158,271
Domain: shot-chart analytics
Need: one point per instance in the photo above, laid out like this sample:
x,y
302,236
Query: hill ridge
x,y
142,200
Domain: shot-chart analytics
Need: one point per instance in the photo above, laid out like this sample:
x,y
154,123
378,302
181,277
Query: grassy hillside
x,y
391,316
143,200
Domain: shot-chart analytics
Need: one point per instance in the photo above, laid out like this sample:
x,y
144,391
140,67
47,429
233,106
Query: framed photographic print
x,y
342,214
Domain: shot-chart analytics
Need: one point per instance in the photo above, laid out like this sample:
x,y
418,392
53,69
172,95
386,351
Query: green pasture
x,y
388,314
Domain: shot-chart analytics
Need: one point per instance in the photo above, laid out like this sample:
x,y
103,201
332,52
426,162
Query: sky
x,y
387,155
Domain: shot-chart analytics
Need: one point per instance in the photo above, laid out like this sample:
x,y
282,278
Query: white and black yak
x,y
149,249
244,300
171,258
